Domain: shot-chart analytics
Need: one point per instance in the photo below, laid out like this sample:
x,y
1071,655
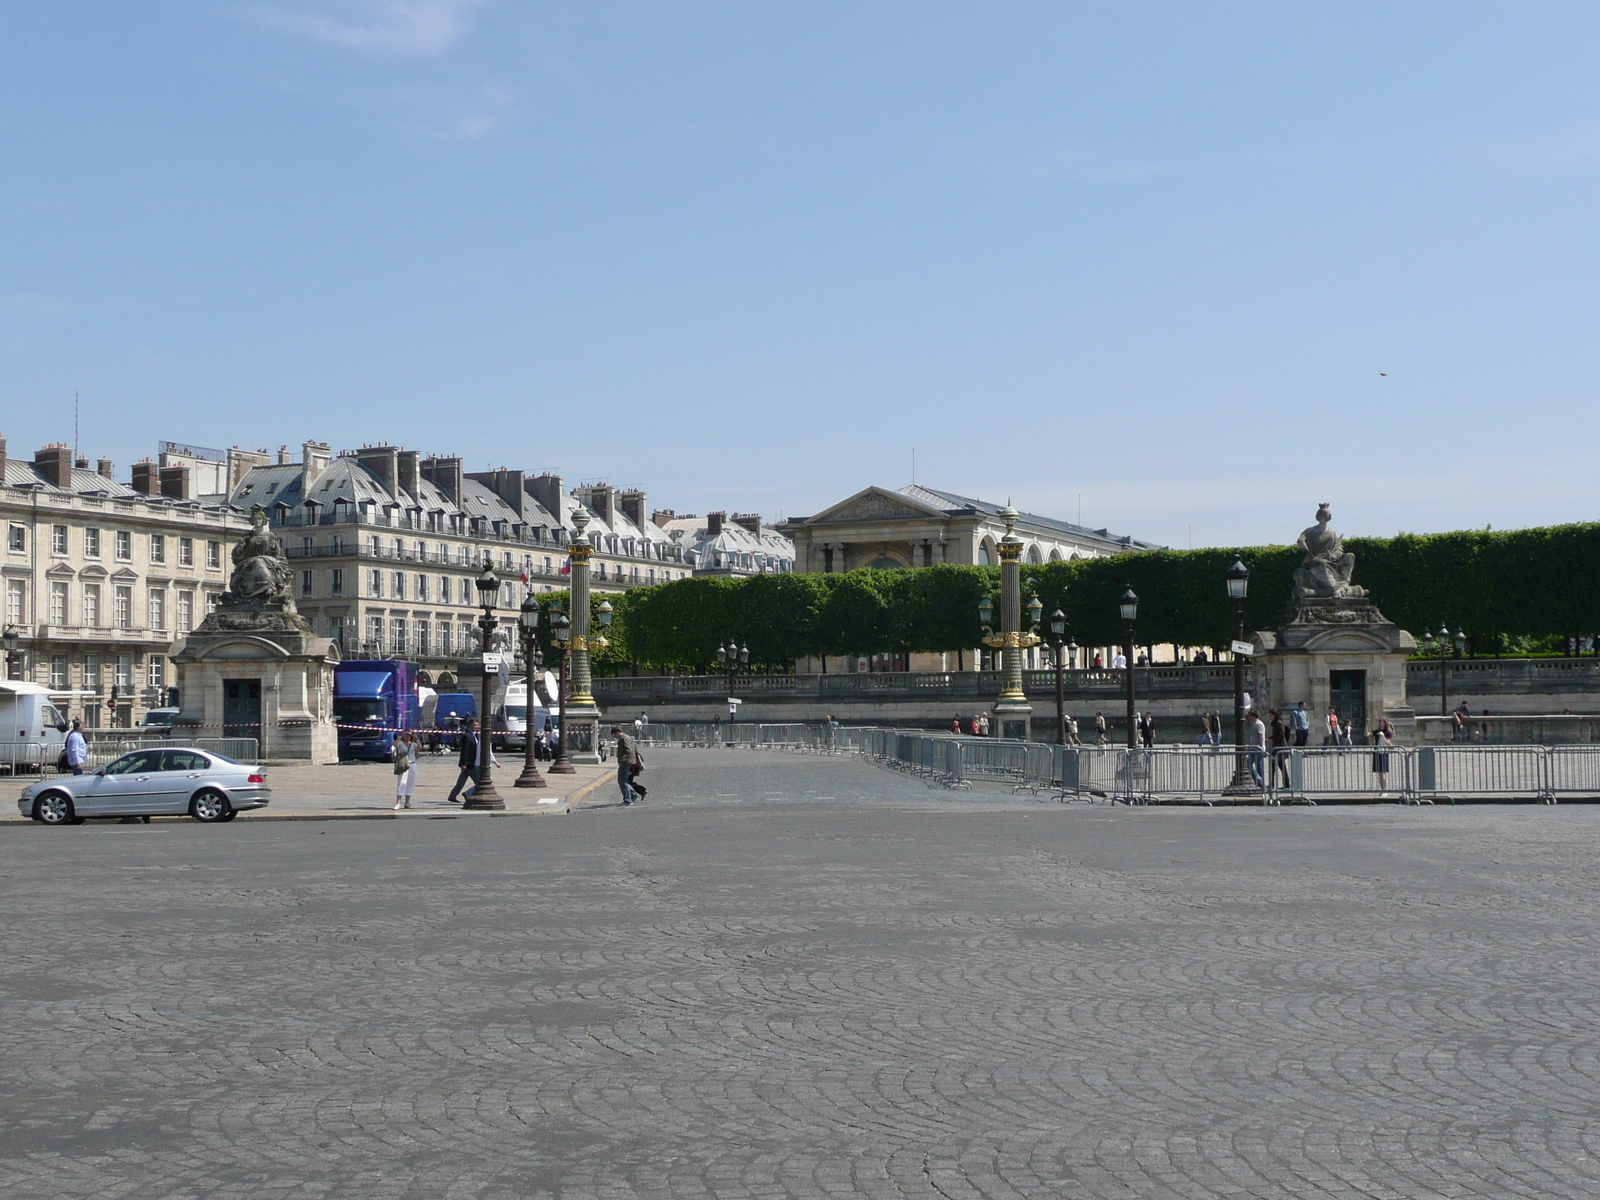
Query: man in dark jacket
x,y
627,756
467,741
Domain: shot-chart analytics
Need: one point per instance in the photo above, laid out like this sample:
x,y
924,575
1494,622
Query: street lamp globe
x,y
603,613
1058,624
1129,605
744,655
1427,642
561,624
722,653
1238,577
1461,642
1035,611
985,611
528,616
488,585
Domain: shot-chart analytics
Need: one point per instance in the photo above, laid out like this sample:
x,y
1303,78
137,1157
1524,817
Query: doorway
x,y
241,708
1347,693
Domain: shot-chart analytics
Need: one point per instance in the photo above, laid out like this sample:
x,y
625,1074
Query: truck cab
x,y
373,699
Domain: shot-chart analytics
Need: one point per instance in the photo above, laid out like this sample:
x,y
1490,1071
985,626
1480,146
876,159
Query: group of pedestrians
x,y
1294,732
977,726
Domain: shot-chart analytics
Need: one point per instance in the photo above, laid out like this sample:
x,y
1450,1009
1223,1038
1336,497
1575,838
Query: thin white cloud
x,y
403,28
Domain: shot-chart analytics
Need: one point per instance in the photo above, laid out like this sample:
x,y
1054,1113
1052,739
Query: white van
x,y
511,718
33,731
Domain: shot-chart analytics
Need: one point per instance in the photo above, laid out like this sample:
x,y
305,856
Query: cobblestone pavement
x,y
806,977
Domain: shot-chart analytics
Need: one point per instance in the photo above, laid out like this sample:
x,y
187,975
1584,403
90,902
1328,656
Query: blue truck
x,y
372,700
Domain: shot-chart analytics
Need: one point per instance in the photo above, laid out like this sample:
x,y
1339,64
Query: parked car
x,y
159,719
208,787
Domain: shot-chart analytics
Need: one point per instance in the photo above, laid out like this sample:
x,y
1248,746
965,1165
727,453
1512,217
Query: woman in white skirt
x,y
405,769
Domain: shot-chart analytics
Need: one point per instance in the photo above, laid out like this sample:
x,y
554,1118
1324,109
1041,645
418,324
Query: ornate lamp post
x,y
1444,660
12,640
1012,712
1128,607
580,717
733,656
1058,627
528,626
1238,581
484,795
561,627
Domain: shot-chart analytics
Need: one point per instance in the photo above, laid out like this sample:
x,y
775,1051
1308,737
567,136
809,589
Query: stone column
x,y
581,720
1012,713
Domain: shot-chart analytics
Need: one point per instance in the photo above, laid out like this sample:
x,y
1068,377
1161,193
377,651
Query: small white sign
x,y
1244,648
732,703
493,662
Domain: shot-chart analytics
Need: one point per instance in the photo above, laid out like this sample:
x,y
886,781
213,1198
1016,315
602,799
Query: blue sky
x,y
1202,266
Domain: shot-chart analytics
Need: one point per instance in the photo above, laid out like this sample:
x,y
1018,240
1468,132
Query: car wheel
x,y
55,808
210,806
232,813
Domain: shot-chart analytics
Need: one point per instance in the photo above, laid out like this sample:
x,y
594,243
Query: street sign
x,y
493,663
732,703
1244,648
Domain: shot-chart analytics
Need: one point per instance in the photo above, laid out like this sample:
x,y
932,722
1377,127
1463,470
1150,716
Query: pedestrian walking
x,y
627,759
1255,738
1300,722
1100,729
983,724
1120,662
466,762
974,726
405,769
1072,732
1205,729
77,749
1147,730
955,724
1331,735
1280,745
1098,660
1382,741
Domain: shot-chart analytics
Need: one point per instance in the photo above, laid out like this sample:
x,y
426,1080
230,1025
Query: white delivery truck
x,y
511,718
33,731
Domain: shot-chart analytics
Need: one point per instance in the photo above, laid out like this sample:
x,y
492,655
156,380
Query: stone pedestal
x,y
281,680
1324,646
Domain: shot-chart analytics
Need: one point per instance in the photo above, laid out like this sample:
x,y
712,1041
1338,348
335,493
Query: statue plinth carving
x,y
260,595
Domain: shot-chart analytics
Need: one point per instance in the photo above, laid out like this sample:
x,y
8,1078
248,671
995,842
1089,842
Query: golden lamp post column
x,y
580,720
1012,715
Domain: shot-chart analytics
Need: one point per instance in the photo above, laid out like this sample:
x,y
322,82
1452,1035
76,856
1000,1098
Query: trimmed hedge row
x,y
1528,583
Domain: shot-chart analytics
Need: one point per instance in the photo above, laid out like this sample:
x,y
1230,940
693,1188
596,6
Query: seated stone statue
x,y
1326,571
261,577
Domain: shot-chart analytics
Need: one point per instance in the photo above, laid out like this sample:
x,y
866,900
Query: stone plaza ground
x,y
801,976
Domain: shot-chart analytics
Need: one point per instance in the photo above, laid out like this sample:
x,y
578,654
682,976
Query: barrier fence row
x,y
1417,775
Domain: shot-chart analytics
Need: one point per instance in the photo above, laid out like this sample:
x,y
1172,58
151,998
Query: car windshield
x,y
517,712
350,711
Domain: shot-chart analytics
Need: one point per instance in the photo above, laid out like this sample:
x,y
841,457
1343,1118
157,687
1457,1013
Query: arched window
x,y
1033,556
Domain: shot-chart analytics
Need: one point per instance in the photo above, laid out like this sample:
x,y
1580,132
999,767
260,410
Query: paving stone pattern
x,y
806,977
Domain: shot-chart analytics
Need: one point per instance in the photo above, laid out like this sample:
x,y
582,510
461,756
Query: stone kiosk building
x,y
1333,648
254,668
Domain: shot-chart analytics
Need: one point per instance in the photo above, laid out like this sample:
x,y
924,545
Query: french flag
x,y
566,567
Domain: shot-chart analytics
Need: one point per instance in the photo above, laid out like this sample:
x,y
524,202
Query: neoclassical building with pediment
x,y
916,526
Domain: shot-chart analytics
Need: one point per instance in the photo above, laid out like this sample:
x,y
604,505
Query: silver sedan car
x,y
208,787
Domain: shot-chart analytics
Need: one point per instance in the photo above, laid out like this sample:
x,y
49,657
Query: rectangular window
x,y
214,555
336,582
336,545
375,584
124,672
124,546
158,547
466,591
423,632
158,672
91,673
91,543
422,588
58,602
17,539
58,672
91,605
185,611
123,602
397,627
58,539
308,547
377,546
211,601
16,602
444,589
186,552
375,631
399,582
157,600
305,583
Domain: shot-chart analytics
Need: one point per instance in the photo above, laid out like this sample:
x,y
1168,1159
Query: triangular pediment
x,y
877,504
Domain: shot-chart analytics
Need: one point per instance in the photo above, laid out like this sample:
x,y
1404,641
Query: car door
x,y
179,778
122,787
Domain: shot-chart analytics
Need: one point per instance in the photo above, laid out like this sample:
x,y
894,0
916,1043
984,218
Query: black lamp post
x,y
1058,629
1128,606
1238,580
12,640
733,656
484,795
1443,644
528,626
561,627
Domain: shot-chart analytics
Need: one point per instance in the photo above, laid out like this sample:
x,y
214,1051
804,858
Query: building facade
x,y
719,546
101,578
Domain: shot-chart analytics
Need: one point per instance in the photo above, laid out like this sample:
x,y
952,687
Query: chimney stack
x,y
283,456
547,489
633,507
174,482
408,464
147,478
314,460
2,460
506,484
103,468
750,521
383,462
714,523
663,516
54,462
80,464
444,474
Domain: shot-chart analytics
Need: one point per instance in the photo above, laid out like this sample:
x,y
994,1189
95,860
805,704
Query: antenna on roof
x,y
74,426
913,466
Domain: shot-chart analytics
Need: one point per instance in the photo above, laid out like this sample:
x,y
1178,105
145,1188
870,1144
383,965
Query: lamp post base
x,y
1011,720
485,797
530,778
